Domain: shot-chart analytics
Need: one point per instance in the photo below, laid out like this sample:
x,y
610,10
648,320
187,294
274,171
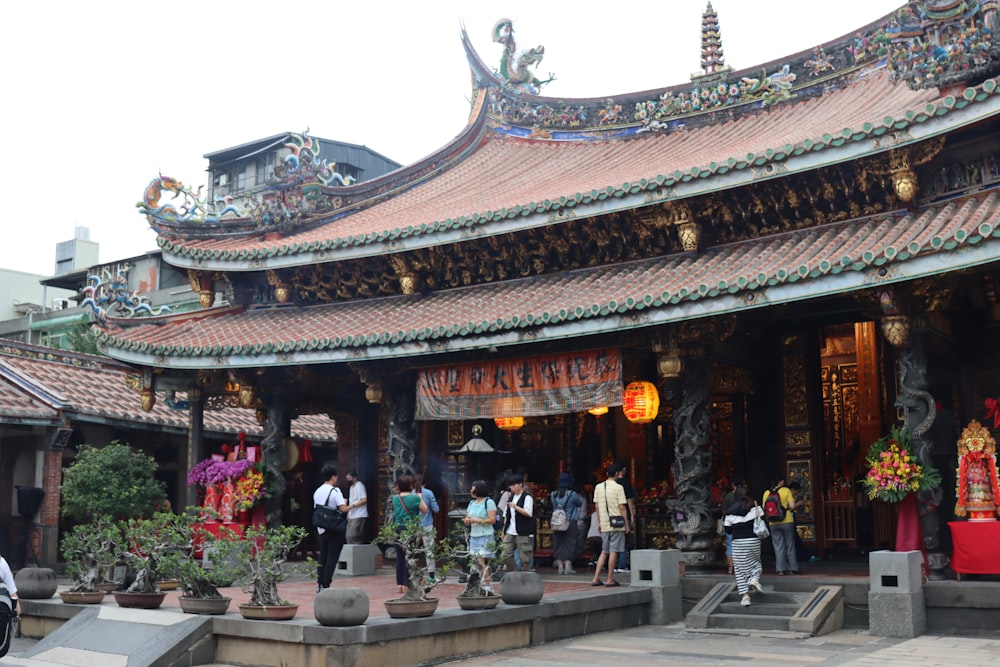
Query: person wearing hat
x,y
564,541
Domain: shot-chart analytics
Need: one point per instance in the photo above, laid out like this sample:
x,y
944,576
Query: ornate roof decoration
x,y
943,42
192,209
712,57
108,294
514,65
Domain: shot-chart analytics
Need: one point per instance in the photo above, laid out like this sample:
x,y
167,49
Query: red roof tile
x,y
829,258
41,383
506,179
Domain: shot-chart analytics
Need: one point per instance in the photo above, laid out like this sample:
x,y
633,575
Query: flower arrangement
x,y
249,490
895,470
211,471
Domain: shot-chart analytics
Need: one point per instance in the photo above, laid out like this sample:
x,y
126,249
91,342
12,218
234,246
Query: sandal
x,y
597,583
613,584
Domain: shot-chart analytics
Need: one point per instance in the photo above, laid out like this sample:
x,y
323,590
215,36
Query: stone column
x,y
195,444
276,429
402,445
692,469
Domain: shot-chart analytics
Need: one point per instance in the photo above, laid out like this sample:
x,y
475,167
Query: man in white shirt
x,y
357,515
330,542
519,527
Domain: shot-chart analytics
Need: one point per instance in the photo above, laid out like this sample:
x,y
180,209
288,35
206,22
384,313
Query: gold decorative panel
x,y
794,376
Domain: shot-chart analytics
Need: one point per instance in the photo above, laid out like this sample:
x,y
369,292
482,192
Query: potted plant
x,y
145,544
200,578
111,481
261,557
478,592
90,552
408,540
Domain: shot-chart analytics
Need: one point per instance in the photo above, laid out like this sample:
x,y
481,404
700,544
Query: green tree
x,y
80,338
111,481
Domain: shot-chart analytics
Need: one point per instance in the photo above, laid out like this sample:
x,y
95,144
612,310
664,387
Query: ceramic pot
x,y
107,586
204,605
36,583
168,585
82,597
522,587
139,600
263,613
411,608
341,606
473,602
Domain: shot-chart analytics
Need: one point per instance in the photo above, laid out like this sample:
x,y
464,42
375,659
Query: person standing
x,y
519,527
7,579
738,523
427,523
406,506
626,484
783,531
564,541
610,505
357,516
331,542
480,516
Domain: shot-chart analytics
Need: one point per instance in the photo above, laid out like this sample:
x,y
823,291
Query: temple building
x,y
751,275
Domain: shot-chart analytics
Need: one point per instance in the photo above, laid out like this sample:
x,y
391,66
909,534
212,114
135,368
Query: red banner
x,y
527,387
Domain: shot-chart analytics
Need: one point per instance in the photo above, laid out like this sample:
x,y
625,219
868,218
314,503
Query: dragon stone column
x,y
276,429
919,412
401,404
692,469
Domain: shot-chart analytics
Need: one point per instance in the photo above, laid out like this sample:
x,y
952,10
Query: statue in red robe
x,y
976,486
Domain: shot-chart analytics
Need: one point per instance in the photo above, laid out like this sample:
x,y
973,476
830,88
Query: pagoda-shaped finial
x,y
712,58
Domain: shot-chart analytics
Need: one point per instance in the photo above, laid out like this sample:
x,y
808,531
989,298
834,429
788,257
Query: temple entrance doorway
x,y
853,396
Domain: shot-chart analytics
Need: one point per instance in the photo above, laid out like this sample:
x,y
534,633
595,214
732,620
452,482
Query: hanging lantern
x,y
509,423
599,410
641,402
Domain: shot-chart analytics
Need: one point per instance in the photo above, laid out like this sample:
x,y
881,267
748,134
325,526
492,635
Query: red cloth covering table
x,y
976,547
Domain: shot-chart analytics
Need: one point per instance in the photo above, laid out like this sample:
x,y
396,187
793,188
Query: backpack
x,y
559,522
774,511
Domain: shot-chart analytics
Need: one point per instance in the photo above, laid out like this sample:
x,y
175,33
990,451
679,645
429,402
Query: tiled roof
x,y
39,383
509,183
831,258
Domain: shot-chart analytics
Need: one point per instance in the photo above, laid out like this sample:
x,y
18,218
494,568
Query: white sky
x,y
101,96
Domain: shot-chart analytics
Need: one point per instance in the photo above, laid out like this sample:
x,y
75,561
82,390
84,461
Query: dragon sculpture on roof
x,y
514,66
108,294
190,209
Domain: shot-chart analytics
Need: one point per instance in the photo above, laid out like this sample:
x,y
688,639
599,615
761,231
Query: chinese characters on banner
x,y
526,387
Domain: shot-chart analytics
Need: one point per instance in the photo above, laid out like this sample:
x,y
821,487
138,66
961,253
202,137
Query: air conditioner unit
x,y
61,304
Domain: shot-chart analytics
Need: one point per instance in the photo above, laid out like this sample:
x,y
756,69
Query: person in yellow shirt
x,y
610,505
783,531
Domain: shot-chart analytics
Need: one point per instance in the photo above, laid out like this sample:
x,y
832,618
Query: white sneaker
x,y
755,585
745,602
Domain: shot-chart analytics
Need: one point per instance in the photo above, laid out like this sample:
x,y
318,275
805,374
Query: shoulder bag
x,y
760,527
615,521
329,518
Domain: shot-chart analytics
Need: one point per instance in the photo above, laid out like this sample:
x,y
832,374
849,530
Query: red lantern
x,y
509,423
641,402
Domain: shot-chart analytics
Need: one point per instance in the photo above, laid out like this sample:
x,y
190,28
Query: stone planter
x,y
82,597
341,607
36,583
411,608
474,602
204,605
522,587
139,600
263,613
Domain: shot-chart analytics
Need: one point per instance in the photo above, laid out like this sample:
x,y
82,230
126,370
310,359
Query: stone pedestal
x,y
357,560
896,595
341,606
659,571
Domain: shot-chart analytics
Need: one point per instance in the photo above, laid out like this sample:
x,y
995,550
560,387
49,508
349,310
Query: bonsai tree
x,y
113,481
146,544
261,556
458,553
90,551
409,539
202,577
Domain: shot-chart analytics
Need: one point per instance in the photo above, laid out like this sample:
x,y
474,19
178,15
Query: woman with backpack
x,y
781,521
567,505
740,516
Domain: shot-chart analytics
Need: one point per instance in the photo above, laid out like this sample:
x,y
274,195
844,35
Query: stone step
x,y
760,607
749,622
